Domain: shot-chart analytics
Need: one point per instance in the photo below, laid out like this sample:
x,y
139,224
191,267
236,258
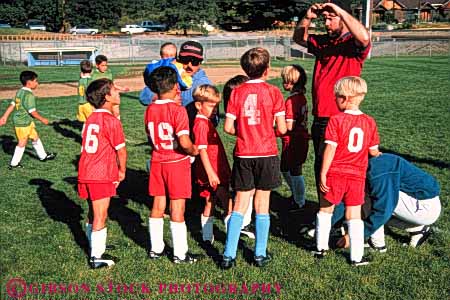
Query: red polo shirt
x,y
335,58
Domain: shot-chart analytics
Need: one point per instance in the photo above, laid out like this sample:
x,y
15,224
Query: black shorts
x,y
262,173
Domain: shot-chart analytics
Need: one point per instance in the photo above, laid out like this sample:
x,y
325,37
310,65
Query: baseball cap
x,y
191,48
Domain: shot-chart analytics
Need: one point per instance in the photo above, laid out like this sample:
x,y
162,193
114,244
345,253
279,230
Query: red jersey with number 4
x,y
102,137
207,137
353,133
254,106
165,121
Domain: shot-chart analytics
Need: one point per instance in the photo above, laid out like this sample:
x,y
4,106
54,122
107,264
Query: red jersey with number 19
x,y
102,137
254,106
353,133
165,121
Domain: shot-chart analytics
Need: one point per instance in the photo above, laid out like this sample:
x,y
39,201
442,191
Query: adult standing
x,y
339,53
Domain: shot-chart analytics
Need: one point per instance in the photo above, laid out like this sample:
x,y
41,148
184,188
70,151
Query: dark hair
x,y
255,62
161,80
300,85
26,76
229,86
97,90
100,58
86,66
161,52
344,4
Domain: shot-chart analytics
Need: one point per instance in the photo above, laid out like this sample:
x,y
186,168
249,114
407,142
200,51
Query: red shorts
x,y
347,189
173,179
96,191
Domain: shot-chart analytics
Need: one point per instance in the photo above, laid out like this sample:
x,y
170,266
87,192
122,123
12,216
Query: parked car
x,y
133,28
4,24
33,24
153,26
83,29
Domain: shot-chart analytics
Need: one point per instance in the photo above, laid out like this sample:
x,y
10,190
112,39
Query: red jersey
x,y
353,133
102,137
254,106
207,137
165,121
297,112
335,58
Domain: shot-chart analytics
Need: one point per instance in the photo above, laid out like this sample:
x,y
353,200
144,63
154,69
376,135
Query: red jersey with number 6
x,y
165,121
102,137
254,105
353,133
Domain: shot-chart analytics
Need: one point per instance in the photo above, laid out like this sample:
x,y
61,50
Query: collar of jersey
x,y
26,89
102,110
163,101
86,76
201,116
255,81
353,112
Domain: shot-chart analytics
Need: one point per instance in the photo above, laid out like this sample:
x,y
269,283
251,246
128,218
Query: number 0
x,y
358,134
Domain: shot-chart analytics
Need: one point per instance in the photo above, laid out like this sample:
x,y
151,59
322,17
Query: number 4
x,y
251,110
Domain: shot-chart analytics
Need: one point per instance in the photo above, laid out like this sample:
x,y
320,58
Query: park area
x,y
42,240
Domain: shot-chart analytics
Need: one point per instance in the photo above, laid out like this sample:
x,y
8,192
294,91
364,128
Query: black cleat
x,y
50,156
419,237
227,263
319,253
262,261
156,255
102,262
110,247
363,262
189,259
18,166
249,231
378,249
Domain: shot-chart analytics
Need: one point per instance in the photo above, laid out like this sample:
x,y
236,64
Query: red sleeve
x,y
200,130
289,110
331,133
278,103
116,135
181,122
375,137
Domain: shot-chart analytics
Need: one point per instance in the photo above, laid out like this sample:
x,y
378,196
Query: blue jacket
x,y
387,175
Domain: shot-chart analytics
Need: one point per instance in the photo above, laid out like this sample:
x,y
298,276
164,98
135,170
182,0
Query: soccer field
x,y
42,241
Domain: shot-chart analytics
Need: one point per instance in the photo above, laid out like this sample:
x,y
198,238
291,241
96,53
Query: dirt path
x,y
216,75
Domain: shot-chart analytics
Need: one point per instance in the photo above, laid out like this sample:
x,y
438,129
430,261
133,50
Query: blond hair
x,y
351,86
296,75
206,93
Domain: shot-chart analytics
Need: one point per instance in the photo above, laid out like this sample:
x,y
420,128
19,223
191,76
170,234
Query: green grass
x,y
41,227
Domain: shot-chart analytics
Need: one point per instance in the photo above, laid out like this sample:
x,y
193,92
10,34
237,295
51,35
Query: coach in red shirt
x,y
339,53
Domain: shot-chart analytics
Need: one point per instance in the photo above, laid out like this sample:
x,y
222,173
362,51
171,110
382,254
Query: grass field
x,y
42,219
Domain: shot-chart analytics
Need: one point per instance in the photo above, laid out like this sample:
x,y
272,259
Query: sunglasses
x,y
188,59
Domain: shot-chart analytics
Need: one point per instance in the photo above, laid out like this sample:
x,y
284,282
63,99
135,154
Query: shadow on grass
x,y
62,209
432,162
68,133
9,143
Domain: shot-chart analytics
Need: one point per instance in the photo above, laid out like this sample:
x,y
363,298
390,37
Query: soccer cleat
x,y
50,156
319,253
156,255
18,166
362,262
188,259
110,247
249,231
102,262
262,261
419,237
227,263
378,249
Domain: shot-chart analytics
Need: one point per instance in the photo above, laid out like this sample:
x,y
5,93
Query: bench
x,y
59,56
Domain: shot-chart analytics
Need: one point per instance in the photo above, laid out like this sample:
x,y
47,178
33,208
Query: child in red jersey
x,y
102,164
295,141
253,107
350,136
212,170
167,125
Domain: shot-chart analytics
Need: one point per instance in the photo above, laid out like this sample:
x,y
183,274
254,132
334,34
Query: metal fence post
x,y
396,48
430,49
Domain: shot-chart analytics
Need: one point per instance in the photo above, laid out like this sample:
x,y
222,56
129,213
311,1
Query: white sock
x,y
179,239
17,157
37,145
156,232
377,237
207,228
298,190
225,221
98,242
248,213
89,233
356,234
323,227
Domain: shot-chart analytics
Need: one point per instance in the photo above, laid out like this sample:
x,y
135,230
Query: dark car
x,y
4,24
153,26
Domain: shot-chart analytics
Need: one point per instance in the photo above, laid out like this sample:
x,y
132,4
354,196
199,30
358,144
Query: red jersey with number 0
x,y
254,106
207,137
353,133
102,137
165,121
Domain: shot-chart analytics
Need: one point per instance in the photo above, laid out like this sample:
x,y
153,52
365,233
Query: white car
x,y
133,28
36,25
83,29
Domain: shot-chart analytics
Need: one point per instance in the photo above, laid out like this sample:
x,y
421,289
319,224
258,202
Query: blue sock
x,y
262,222
233,234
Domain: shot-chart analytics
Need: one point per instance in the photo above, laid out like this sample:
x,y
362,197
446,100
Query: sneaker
x,y
156,255
227,263
249,231
419,237
102,262
18,166
363,262
378,249
319,253
110,247
50,156
262,261
188,259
